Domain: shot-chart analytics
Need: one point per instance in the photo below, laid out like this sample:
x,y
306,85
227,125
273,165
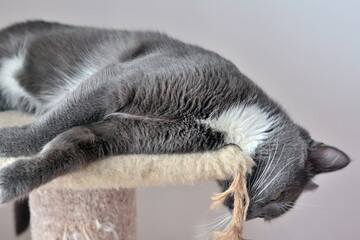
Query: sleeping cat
x,y
103,92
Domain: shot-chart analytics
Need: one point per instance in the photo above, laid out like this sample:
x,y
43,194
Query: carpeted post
x,y
93,214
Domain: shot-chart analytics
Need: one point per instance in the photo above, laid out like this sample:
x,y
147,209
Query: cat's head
x,y
285,166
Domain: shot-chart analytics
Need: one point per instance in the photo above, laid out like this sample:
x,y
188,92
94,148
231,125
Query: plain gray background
x,y
305,54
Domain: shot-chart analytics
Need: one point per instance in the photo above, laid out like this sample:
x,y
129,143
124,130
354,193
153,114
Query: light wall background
x,y
305,54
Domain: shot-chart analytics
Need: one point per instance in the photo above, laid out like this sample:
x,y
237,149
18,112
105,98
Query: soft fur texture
x,y
105,92
70,212
144,169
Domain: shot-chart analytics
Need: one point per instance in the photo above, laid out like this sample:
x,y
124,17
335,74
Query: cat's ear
x,y
325,158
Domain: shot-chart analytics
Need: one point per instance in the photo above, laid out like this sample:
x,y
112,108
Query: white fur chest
x,y
245,126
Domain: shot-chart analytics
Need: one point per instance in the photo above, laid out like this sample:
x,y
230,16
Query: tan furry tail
x,y
241,204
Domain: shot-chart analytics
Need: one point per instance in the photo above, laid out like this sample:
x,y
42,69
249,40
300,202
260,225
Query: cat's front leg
x,y
117,134
15,141
14,179
70,150
80,107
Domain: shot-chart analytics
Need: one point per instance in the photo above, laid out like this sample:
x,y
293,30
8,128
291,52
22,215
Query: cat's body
x,y
106,92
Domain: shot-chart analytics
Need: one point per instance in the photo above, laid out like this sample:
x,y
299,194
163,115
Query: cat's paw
x,y
12,184
5,194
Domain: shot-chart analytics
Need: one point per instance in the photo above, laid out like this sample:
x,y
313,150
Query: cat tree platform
x,y
98,201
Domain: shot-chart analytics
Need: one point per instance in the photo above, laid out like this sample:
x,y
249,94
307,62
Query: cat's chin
x,y
252,218
266,218
270,218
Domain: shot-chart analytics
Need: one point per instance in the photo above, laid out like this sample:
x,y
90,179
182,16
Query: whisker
x,y
293,159
283,227
310,208
259,173
206,230
273,167
310,205
263,174
267,166
214,221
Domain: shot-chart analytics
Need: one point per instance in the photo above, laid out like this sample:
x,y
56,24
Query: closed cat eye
x,y
277,197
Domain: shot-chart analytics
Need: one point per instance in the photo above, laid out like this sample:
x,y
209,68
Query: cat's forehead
x,y
287,145
278,167
280,153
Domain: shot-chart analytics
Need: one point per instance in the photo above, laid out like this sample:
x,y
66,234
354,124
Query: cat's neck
x,y
245,126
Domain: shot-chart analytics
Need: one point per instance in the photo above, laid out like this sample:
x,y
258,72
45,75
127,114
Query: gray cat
x,y
102,92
